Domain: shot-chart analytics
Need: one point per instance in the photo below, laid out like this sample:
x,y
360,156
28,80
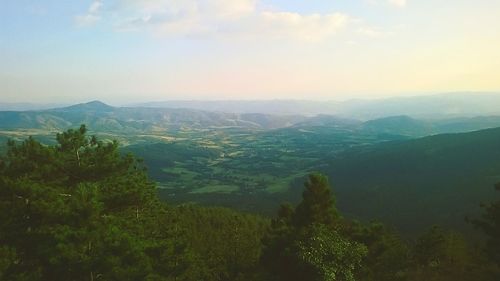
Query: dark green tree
x,y
440,255
317,205
489,223
226,243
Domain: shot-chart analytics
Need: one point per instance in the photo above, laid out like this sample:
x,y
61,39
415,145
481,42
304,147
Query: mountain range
x,y
431,170
102,117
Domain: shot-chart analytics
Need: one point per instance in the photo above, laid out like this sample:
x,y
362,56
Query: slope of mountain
x,y
437,179
92,106
400,125
411,127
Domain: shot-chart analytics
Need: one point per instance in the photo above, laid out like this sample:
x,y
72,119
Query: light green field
x,y
215,189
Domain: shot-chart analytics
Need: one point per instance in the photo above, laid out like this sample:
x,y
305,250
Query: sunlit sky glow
x,y
140,50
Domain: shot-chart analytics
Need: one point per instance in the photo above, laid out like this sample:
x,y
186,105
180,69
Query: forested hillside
x,y
437,179
80,210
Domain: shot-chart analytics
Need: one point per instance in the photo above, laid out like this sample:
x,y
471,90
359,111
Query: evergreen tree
x,y
318,203
305,243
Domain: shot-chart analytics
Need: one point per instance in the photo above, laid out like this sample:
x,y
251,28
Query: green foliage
x,y
68,208
80,210
227,244
329,255
490,225
388,258
440,255
444,255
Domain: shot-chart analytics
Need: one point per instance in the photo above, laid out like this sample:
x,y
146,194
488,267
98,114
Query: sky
x,y
124,51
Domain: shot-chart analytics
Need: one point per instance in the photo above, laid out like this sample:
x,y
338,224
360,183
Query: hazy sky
x,y
136,50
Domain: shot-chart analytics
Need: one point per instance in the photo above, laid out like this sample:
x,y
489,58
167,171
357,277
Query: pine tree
x,y
305,243
318,203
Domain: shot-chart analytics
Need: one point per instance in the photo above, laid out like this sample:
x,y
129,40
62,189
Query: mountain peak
x,y
90,106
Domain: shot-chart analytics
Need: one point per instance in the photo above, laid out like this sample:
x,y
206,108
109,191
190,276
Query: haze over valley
x,y
250,140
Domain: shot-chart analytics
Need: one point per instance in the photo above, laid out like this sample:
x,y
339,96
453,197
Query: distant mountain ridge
x,y
25,106
100,116
450,105
441,106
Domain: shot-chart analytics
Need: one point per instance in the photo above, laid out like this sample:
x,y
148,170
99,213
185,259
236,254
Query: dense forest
x,y
82,210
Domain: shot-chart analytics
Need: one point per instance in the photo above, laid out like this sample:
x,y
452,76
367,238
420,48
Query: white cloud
x,y
94,7
372,32
233,9
313,27
92,16
216,18
397,3
207,9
